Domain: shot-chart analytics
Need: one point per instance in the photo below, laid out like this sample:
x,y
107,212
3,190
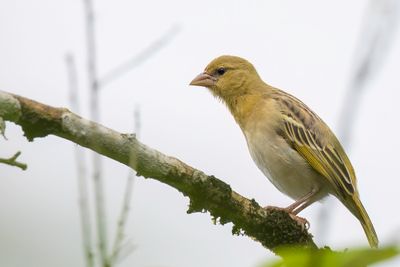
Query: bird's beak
x,y
204,79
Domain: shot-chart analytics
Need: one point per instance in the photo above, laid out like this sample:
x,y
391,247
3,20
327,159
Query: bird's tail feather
x,y
359,211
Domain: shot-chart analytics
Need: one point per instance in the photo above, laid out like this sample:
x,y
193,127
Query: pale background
x,y
304,47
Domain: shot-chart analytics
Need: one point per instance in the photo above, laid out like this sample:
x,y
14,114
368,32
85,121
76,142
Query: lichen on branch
x,y
272,228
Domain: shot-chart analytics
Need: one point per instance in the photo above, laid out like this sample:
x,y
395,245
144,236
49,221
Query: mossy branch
x,y
272,228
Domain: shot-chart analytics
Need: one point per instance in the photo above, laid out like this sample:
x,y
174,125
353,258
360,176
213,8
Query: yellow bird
x,y
289,143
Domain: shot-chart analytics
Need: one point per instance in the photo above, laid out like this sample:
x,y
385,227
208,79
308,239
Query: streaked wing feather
x,y
326,159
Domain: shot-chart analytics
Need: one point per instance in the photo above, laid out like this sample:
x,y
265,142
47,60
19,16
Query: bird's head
x,y
228,76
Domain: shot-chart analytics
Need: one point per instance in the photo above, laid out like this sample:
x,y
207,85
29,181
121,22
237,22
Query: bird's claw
x,y
305,225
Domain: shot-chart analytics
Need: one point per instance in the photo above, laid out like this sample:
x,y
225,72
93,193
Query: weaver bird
x,y
289,143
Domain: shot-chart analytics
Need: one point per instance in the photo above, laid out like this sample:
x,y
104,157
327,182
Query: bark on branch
x,y
272,228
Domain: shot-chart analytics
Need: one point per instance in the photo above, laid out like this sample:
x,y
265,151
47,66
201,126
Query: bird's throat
x,y
241,107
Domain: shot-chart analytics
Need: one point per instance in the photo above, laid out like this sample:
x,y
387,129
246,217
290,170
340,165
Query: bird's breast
x,y
282,165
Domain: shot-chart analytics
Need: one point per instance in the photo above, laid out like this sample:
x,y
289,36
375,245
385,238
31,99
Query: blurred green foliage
x,y
2,126
297,257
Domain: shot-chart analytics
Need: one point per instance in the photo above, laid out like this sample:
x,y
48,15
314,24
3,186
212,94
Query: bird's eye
x,y
221,71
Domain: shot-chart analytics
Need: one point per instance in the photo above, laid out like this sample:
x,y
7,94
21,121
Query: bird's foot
x,y
300,220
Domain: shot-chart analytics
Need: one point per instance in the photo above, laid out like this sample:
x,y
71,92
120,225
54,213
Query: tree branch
x,y
272,228
12,161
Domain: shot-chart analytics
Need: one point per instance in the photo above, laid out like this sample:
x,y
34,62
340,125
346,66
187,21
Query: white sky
x,y
304,47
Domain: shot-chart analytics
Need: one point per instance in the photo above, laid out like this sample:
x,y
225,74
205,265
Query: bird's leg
x,y
302,203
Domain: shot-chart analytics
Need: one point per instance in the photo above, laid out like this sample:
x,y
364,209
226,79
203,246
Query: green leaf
x,y
296,257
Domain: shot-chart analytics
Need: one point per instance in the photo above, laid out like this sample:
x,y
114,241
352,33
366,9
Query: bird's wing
x,y
318,145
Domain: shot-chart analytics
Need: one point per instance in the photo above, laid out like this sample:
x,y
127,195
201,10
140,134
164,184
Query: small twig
x,y
95,116
13,161
124,251
380,22
120,235
375,41
81,170
141,57
123,218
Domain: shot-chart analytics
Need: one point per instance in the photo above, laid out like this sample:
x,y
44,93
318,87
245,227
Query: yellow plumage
x,y
290,144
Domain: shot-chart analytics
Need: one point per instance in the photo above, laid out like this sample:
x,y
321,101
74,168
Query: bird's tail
x,y
357,208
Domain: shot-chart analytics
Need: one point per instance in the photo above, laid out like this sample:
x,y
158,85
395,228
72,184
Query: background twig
x,y
95,115
118,247
12,161
378,30
138,59
83,193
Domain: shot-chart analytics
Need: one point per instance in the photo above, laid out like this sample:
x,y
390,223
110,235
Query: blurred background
x,y
340,57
